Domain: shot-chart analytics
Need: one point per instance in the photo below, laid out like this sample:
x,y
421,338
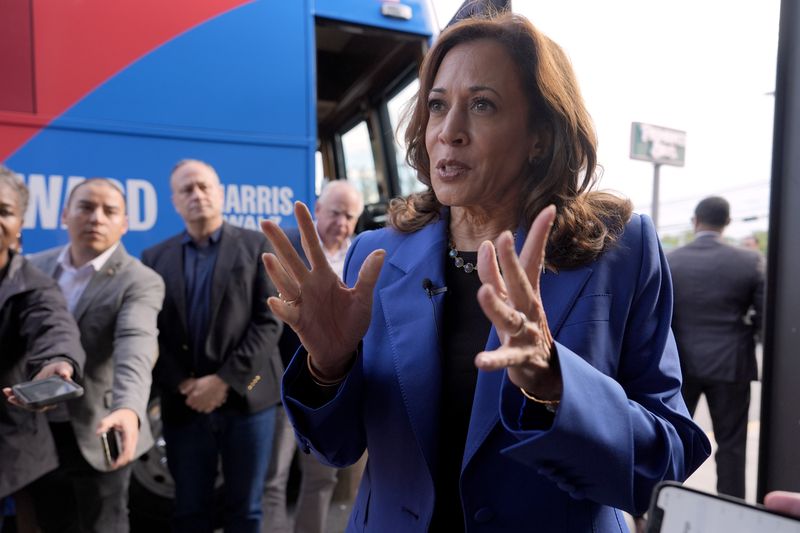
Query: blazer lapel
x,y
226,258
99,280
175,284
559,292
413,322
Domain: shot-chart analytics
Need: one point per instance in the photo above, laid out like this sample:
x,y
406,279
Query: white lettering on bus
x,y
48,195
142,205
262,200
287,195
248,199
232,203
245,205
45,201
249,221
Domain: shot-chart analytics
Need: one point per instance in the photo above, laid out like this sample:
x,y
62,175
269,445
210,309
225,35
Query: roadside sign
x,y
659,145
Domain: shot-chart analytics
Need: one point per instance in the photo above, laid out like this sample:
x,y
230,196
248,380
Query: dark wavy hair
x,y
587,221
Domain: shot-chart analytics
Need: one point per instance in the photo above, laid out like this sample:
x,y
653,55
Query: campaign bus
x,y
276,95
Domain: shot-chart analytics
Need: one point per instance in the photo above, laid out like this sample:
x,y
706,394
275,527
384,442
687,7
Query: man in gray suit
x,y
716,285
115,301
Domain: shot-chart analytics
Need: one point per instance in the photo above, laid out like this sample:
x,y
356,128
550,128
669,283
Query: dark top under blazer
x,y
35,328
621,427
242,341
715,286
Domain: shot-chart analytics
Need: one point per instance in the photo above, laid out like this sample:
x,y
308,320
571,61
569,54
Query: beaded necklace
x,y
466,265
459,261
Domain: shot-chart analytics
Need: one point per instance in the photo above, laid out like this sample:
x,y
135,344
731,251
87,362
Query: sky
x,y
705,67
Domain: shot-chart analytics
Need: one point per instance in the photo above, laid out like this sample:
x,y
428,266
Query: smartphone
x,y
48,391
112,445
679,509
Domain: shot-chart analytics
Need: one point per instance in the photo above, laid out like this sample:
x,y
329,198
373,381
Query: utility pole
x,y
656,185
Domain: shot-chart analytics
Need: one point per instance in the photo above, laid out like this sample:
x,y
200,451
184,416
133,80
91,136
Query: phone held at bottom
x,y
679,509
48,391
112,445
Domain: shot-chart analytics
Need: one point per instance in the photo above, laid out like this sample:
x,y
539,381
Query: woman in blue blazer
x,y
539,391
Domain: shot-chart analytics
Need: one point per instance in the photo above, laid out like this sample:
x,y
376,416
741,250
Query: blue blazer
x,y
621,427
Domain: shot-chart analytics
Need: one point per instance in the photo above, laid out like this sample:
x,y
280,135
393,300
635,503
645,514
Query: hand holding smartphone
x,y
112,445
678,509
45,392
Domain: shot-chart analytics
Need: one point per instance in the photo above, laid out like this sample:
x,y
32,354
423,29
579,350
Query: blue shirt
x,y
198,272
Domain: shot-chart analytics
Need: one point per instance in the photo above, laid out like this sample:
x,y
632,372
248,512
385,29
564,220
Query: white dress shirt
x,y
336,259
73,281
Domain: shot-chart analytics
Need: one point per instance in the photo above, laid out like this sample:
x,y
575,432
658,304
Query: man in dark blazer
x,y
716,285
115,301
219,368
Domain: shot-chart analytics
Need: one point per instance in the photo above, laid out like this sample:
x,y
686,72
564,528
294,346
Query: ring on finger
x,y
293,301
522,323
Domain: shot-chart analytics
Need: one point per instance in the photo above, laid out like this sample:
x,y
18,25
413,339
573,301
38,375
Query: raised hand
x,y
329,317
512,301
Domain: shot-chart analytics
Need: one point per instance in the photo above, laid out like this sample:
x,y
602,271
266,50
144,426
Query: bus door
x,y
367,63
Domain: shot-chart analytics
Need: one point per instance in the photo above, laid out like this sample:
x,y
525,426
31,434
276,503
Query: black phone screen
x,y
45,391
111,445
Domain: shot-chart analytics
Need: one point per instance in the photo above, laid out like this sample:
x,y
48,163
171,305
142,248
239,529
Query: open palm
x,y
329,318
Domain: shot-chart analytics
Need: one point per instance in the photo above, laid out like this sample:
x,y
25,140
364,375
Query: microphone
x,y
430,290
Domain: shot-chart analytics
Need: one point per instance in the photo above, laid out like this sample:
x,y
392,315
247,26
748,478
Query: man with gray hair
x,y
337,211
715,286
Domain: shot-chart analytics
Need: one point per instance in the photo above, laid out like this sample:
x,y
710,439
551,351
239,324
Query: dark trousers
x,y
77,498
728,404
242,443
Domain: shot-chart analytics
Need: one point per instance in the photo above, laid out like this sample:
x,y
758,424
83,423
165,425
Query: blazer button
x,y
483,515
253,382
